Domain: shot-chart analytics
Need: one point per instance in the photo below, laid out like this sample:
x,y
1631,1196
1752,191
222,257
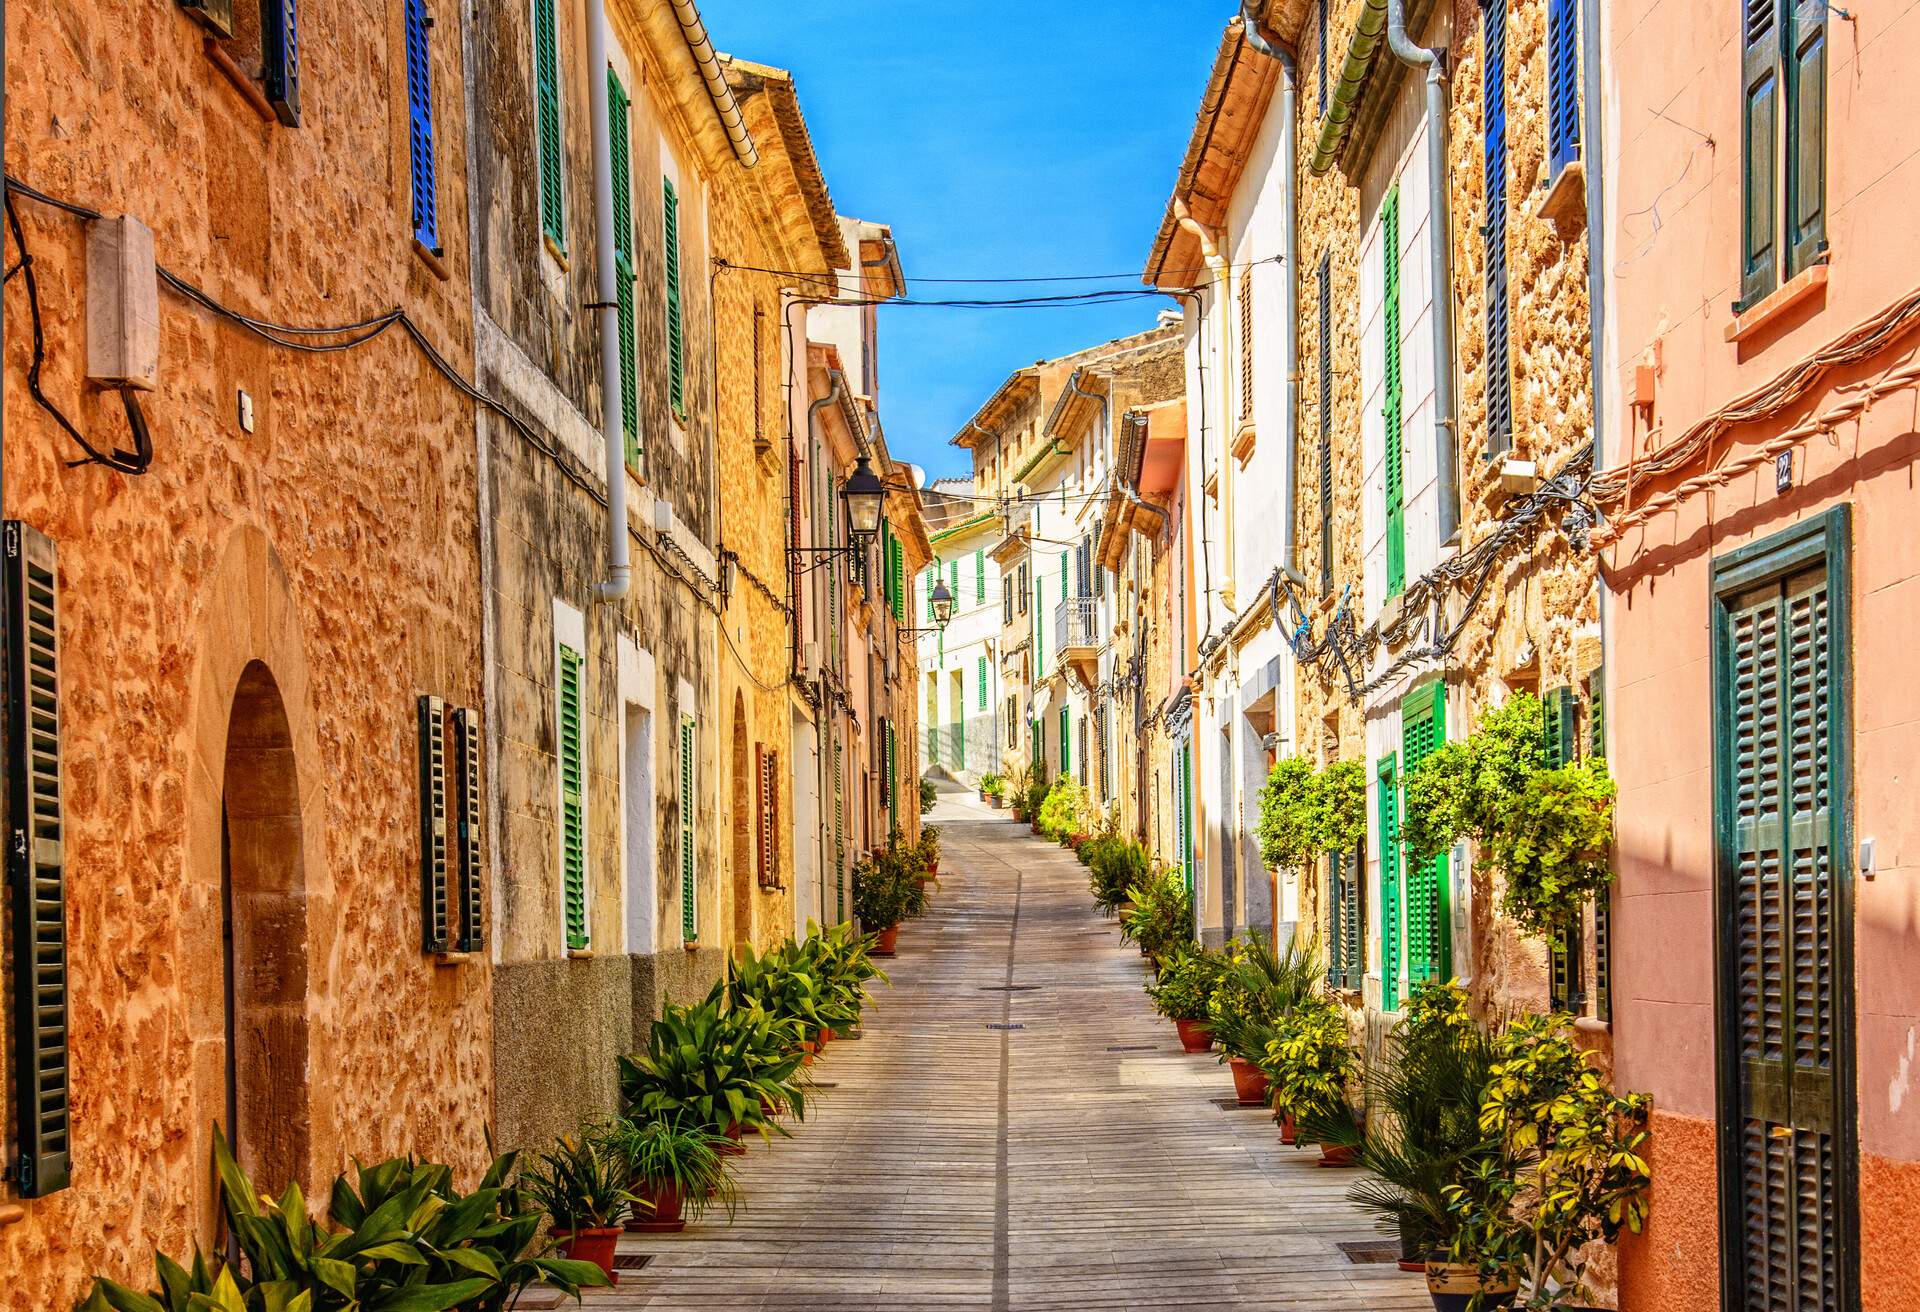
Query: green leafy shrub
x,y
1340,807
398,1238
1285,829
1115,866
1310,1060
788,983
927,796
1186,985
664,1154
885,890
993,786
843,961
1161,920
1434,1013
1457,790
1551,845
1036,791
1062,811
1256,989
581,1182
712,1067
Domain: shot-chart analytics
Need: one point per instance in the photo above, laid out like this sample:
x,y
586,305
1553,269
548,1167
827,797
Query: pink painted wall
x,y
1673,285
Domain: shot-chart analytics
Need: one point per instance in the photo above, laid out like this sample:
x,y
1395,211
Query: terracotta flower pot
x,y
1249,1082
1289,1133
1194,1035
664,1218
887,942
732,1147
1339,1155
1454,1285
595,1246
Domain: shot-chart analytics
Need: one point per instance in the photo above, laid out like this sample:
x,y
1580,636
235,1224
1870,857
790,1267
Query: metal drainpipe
x,y
1266,42
619,580
1440,252
1592,158
1217,265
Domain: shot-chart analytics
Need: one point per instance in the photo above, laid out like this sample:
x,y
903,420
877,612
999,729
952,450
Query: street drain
x,y
1009,988
995,1025
631,1261
1370,1252
1235,1105
1136,1047
824,1084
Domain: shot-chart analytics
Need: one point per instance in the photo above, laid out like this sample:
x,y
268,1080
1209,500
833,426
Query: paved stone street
x,y
1077,1160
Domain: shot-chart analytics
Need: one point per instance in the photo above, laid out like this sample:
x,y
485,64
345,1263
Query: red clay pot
x,y
1289,1136
595,1246
887,942
1343,1155
1249,1082
1194,1035
733,1147
664,1218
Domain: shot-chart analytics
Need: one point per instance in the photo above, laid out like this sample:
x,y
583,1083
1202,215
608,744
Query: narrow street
x,y
1075,1160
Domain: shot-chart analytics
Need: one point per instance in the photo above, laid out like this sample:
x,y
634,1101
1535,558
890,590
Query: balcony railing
x,y
1073,623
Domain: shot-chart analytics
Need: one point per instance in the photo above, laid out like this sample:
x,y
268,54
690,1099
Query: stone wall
x,y
328,558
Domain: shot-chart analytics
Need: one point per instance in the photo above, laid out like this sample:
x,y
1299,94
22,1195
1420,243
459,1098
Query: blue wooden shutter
x,y
436,927
37,864
689,909
280,58
546,114
1493,89
472,918
1760,140
619,129
676,324
1805,58
573,816
1396,494
1563,83
1326,416
426,204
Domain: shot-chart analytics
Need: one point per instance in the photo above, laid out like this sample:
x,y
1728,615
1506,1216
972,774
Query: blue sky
x,y
998,140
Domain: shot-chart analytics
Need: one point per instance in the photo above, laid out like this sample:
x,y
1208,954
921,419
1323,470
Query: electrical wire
x,y
1011,280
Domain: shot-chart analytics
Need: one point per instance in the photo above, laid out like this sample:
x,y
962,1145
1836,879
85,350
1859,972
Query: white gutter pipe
x,y
694,29
619,580
1222,293
1440,252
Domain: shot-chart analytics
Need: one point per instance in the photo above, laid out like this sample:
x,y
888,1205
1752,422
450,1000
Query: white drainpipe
x,y
1222,309
619,580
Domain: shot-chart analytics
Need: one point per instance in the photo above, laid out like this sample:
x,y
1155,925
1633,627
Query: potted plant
x,y
729,1070
844,959
1037,791
1116,865
581,1184
1161,919
1310,1062
882,896
675,1172
1182,991
993,790
1256,990
929,851
1019,783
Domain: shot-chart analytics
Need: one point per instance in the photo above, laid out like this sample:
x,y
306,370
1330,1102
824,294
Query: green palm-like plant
x,y
581,1182
401,1239
715,1067
1258,988
665,1154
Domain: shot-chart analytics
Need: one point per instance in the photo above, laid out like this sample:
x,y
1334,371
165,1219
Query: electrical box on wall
x,y
123,304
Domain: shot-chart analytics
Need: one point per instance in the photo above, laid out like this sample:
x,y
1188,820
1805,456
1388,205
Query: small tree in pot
x,y
1182,991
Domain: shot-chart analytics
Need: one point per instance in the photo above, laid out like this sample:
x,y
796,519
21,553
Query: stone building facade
x,y
241,622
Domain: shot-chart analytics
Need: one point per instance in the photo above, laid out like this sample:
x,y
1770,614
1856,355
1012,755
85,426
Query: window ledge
x,y
1802,287
1592,1025
11,1212
249,90
1565,199
1243,443
579,954
452,958
435,265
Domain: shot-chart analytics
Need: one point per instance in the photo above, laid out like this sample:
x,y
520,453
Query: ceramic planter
x,y
1249,1082
1289,1135
1454,1285
887,941
595,1246
1339,1155
664,1218
732,1147
1194,1035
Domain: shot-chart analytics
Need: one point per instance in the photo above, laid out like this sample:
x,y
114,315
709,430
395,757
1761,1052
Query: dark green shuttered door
x,y
1423,727
1789,1193
1387,798
1396,476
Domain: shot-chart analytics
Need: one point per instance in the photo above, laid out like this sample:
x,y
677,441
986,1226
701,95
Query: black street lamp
x,y
864,496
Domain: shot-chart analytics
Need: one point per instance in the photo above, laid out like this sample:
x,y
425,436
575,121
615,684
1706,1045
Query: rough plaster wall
x,y
360,476
1542,598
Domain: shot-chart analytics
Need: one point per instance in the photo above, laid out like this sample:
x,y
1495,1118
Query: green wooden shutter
x,y
1760,142
1326,419
1396,446
979,577
435,914
1806,86
1493,91
689,900
1039,631
1423,727
676,325
899,581
546,115
1066,750
1184,775
37,865
1783,937
1388,805
573,819
1603,904
1566,949
1354,915
619,123
471,894
980,680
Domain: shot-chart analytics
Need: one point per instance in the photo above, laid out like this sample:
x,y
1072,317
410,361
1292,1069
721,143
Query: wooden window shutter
x,y
1326,413
979,577
1325,38
1805,58
1066,743
1602,904
1423,727
280,58
900,581
762,839
1560,716
1388,788
1246,343
471,887
436,916
546,114
619,140
36,864
839,836
1499,368
1396,495
573,816
1760,143
676,322
689,910
980,679
1563,83
426,203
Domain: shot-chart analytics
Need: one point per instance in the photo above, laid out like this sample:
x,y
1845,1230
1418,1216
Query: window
x,y
472,935
767,777
676,325
689,908
1387,802
280,58
1566,951
1006,601
1066,741
1326,411
979,577
1324,39
1023,587
546,115
1563,84
1346,921
436,928
573,799
1423,727
426,208
1493,87
1396,495
980,680
1784,70
618,121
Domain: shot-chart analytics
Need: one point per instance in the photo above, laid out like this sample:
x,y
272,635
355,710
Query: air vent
x,y
1135,1047
1009,988
631,1261
1370,1252
992,1025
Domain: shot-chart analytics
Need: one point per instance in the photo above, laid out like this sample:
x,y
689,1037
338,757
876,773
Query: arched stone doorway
x,y
743,822
264,946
